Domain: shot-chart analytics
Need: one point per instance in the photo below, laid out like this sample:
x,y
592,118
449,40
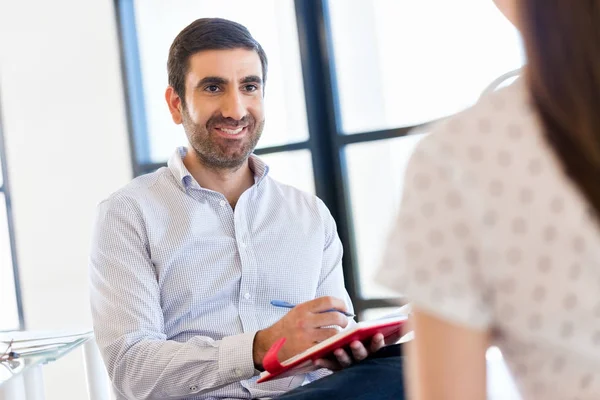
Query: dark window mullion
x,y
322,112
372,136
282,148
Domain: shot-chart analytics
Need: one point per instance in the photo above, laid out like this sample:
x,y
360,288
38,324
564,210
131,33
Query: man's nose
x,y
233,106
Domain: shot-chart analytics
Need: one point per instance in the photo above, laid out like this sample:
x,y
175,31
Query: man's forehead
x,y
227,63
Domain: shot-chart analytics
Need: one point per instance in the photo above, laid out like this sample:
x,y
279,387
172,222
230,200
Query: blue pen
x,y
285,304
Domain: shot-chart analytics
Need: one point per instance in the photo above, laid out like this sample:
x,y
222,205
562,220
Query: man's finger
x,y
329,364
324,334
325,303
328,319
359,352
391,339
343,358
377,343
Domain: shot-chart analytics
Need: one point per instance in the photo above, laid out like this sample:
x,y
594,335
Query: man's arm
x,y
307,324
331,283
129,325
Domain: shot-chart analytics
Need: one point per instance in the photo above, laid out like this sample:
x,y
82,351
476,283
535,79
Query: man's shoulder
x,y
301,198
142,188
291,192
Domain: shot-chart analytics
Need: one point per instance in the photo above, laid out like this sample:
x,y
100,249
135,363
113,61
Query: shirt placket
x,y
248,283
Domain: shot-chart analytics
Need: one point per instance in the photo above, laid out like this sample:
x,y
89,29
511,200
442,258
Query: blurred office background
x,y
81,113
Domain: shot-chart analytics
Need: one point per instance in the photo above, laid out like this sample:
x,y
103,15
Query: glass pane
x,y
271,22
375,176
293,168
415,61
9,316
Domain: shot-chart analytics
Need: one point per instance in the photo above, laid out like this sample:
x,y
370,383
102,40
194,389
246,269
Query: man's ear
x,y
174,103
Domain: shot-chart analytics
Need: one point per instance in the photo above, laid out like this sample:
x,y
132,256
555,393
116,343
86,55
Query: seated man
x,y
186,260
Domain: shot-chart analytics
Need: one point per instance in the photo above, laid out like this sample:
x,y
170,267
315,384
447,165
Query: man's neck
x,y
230,182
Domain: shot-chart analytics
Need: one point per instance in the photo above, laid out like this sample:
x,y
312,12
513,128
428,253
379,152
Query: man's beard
x,y
222,153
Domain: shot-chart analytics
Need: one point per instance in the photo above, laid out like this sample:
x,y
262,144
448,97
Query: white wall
x,y
67,148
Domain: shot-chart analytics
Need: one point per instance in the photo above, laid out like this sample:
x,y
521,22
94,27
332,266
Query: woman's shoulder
x,y
500,127
498,115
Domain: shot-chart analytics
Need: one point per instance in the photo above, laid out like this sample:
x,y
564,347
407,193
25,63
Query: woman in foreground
x,y
498,239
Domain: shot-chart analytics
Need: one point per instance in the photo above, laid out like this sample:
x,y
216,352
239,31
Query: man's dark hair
x,y
208,34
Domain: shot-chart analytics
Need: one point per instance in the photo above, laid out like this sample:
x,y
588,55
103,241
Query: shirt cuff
x,y
318,374
235,357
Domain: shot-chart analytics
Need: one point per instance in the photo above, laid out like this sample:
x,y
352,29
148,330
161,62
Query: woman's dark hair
x,y
208,34
562,41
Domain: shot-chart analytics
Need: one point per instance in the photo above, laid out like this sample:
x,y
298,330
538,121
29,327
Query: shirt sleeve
x,y
434,251
128,321
331,281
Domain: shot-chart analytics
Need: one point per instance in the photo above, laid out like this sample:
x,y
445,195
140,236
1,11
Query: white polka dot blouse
x,y
491,234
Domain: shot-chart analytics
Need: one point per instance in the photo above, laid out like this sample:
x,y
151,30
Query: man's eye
x,y
212,88
251,88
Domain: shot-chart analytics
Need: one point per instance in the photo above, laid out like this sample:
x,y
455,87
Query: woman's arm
x,y
446,360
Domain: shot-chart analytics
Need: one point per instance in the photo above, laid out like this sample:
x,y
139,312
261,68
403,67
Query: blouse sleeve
x,y
434,253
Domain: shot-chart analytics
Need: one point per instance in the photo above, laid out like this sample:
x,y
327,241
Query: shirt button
x,y
238,372
243,245
193,388
223,203
246,295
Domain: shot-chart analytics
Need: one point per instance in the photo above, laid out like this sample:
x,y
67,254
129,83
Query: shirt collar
x,y
183,176
258,167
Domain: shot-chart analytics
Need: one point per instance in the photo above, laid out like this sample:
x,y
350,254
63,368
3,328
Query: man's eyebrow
x,y
251,79
211,80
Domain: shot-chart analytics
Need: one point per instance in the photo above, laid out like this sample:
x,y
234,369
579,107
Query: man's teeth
x,y
232,131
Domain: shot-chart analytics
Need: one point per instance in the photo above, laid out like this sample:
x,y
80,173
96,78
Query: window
x,y
378,166
349,80
416,61
400,64
11,315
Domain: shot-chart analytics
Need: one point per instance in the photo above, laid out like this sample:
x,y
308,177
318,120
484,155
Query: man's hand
x,y
358,350
303,327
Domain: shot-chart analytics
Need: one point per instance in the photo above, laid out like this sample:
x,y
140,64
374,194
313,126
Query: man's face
x,y
223,115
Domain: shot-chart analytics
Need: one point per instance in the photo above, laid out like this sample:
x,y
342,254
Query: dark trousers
x,y
379,377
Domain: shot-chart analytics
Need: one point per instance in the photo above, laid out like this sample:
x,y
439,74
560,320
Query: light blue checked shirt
x,y
181,282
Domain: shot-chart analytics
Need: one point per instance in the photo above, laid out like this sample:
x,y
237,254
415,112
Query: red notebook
x,y
303,362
